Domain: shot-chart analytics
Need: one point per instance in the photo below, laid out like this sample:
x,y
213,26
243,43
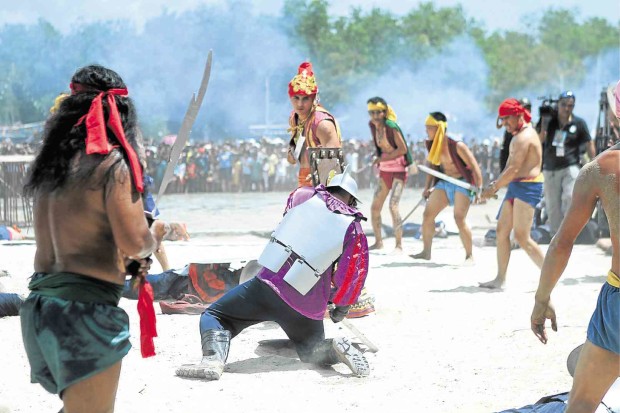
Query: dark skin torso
x,y
91,231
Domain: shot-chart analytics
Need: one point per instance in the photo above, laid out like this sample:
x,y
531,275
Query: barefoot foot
x,y
469,261
375,246
494,284
422,256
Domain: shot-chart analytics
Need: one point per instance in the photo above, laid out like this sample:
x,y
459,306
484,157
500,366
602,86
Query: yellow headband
x,y
389,112
435,152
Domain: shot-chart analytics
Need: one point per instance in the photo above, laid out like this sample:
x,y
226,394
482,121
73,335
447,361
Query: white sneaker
x,y
351,356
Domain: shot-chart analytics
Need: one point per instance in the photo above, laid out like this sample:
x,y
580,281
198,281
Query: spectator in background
x,y
565,138
495,160
225,168
483,156
257,174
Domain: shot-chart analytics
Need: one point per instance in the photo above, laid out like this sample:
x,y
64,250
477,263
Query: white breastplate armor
x,y
315,234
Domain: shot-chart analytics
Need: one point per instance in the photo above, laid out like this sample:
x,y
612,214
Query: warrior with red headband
x,y
523,177
311,125
89,221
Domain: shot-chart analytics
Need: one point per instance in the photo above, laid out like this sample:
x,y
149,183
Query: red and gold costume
x,y
304,84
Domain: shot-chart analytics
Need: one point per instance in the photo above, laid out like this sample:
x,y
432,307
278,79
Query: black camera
x,y
548,107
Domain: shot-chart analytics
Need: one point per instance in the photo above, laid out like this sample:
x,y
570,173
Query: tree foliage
x,y
36,60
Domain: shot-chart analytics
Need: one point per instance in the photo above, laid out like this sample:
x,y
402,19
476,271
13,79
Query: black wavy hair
x,y
57,162
376,100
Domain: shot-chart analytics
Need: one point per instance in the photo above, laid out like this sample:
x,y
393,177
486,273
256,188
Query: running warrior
x,y
89,222
524,179
317,254
392,162
311,125
454,159
599,361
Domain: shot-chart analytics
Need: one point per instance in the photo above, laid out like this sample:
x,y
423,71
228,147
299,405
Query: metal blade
x,y
402,221
186,128
447,178
371,346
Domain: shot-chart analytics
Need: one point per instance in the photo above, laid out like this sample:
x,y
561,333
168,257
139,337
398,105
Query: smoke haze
x,y
162,65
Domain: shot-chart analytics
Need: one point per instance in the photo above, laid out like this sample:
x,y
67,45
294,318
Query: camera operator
x,y
565,138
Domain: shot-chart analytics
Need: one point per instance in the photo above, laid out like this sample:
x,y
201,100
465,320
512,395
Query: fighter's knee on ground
x,y
312,352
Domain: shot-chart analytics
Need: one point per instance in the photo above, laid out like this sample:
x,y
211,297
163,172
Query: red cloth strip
x,y
96,136
347,292
512,107
148,322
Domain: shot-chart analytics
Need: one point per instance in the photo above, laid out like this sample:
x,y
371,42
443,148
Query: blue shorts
x,y
529,192
450,189
604,327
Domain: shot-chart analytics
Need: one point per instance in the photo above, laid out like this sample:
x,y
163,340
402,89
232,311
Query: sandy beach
x,y
446,345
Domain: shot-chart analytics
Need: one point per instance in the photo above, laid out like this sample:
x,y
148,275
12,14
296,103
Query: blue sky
x,y
496,15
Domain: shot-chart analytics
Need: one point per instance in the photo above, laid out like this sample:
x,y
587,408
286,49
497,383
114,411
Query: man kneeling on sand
x,y
319,243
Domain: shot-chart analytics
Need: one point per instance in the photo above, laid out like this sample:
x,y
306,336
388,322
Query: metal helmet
x,y
346,182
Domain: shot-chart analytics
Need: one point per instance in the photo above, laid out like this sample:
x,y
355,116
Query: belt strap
x,y
613,279
288,248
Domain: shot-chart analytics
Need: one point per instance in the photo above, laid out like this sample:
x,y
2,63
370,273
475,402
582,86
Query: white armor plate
x,y
301,277
313,232
274,256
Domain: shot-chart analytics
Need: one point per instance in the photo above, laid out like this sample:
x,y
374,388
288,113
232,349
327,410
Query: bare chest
x,y
382,141
448,166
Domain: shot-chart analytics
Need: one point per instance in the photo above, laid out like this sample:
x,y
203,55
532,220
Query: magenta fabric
x,y
341,286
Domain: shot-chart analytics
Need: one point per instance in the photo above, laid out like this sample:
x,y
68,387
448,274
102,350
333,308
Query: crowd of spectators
x,y
261,166
7,147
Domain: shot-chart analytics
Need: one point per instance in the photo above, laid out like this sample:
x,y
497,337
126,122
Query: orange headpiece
x,y
304,82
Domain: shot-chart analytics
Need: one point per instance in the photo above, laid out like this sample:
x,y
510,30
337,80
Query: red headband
x,y
512,107
96,137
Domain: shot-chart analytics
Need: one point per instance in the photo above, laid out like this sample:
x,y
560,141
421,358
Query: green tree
x,y
427,29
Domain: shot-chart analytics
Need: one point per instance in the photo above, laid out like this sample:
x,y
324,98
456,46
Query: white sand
x,y
445,344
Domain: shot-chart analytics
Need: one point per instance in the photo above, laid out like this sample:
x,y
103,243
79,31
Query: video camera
x,y
548,107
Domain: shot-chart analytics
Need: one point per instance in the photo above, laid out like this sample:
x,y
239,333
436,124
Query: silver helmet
x,y
346,182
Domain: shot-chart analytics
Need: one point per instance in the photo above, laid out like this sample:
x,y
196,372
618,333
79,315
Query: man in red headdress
x,y
89,222
311,125
523,177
